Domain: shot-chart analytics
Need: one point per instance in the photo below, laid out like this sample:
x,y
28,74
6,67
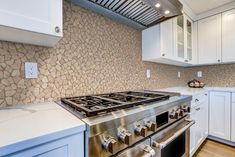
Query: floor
x,y
215,149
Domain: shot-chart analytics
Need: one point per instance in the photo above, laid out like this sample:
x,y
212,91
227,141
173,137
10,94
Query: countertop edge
x,y
32,142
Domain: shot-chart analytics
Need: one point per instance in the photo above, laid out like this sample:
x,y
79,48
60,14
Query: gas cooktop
x,y
104,103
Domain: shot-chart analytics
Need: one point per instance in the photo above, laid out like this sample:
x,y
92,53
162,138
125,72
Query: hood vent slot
x,y
133,9
137,13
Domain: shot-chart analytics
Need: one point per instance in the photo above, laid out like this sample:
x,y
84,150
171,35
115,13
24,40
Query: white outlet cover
x,y
199,74
31,70
148,73
179,74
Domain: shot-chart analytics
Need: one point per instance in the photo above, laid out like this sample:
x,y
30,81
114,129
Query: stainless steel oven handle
x,y
172,138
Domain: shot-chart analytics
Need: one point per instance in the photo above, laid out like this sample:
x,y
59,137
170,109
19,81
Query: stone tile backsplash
x,y
96,55
213,75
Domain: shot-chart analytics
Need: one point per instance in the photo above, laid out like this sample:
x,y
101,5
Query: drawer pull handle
x,y
198,109
196,100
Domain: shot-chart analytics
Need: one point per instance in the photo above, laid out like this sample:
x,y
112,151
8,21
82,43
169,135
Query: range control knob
x,y
125,136
151,126
186,108
174,115
141,130
180,112
150,152
110,144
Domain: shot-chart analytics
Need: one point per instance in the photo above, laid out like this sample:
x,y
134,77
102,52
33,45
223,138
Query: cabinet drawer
x,y
198,99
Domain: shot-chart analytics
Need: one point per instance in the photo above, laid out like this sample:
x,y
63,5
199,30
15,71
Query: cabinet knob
x,y
57,29
218,60
163,54
186,60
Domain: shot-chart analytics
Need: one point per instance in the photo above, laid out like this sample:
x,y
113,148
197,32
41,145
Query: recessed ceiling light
x,y
167,12
157,5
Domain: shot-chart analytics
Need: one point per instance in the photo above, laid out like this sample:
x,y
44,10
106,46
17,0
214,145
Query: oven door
x,y
142,149
173,141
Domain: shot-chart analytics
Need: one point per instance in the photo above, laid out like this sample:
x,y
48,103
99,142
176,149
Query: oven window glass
x,y
162,119
176,148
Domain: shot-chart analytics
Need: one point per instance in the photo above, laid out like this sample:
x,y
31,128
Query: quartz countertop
x,y
195,91
28,125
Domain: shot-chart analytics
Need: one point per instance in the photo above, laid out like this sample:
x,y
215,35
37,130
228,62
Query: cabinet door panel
x,y
228,36
32,15
233,122
188,40
209,40
219,123
180,37
166,31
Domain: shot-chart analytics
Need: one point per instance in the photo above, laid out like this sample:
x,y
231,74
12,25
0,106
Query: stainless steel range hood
x,y
139,14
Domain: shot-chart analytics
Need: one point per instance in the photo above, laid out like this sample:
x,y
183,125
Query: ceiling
x,y
200,6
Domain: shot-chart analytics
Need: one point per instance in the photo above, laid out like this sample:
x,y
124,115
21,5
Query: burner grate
x,y
103,103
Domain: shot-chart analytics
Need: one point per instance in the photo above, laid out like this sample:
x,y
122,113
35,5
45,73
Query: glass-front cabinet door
x,y
183,38
189,37
180,39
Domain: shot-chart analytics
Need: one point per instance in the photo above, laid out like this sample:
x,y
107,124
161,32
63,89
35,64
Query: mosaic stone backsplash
x,y
96,55
213,75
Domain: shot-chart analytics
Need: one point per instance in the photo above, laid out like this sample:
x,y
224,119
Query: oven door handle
x,y
172,138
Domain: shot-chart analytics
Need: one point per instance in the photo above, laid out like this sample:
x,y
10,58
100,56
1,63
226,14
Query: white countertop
x,y
195,91
24,126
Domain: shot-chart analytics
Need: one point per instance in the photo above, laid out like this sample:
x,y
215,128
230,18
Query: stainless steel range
x,y
134,123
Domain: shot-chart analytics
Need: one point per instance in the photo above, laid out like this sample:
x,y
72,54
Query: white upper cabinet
x,y
219,115
169,42
31,21
228,36
157,42
209,40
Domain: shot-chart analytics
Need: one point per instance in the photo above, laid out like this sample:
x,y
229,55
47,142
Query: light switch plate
x,y
31,70
148,73
199,74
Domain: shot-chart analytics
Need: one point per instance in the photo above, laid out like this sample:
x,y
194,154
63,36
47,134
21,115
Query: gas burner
x,y
103,103
122,98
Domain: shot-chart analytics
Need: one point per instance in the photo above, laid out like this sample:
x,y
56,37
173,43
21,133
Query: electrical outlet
x,y
148,73
199,74
179,74
31,70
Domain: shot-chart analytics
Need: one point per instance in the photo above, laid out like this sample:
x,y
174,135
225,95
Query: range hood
x,y
139,14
